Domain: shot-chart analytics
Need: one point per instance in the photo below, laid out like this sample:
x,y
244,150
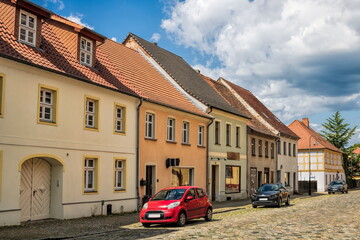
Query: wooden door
x,y
35,189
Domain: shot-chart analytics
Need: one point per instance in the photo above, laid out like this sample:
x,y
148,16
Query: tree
x,y
338,132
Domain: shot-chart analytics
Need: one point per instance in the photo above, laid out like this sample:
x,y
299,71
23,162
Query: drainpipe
x,y
137,154
277,157
207,153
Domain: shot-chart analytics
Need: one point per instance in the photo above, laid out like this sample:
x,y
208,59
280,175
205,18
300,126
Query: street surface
x,y
335,216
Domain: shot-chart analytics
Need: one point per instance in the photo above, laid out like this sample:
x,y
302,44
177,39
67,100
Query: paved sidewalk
x,y
74,228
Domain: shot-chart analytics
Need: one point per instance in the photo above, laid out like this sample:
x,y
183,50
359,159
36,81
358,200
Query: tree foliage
x,y
337,132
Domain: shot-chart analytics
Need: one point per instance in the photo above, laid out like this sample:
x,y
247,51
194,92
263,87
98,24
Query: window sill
x,y
254,155
47,123
260,155
173,142
119,190
217,144
186,144
238,147
201,146
120,133
90,192
151,139
228,145
91,129
266,156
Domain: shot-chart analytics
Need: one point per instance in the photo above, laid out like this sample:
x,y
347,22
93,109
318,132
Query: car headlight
x,y
145,206
174,204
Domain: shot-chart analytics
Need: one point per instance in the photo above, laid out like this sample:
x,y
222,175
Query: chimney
x,y
306,121
197,70
155,43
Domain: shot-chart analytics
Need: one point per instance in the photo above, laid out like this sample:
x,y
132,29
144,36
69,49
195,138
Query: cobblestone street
x,y
322,217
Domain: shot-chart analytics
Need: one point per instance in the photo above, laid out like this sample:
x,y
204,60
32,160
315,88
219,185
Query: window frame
x,y
284,148
86,52
230,174
272,150
123,175
27,28
150,125
86,170
278,146
170,129
228,134
53,106
237,136
253,147
289,149
260,148
185,133
266,149
2,94
95,113
294,150
201,135
217,133
122,119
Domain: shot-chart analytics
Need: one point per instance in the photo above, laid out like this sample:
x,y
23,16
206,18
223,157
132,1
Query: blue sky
x,y
299,57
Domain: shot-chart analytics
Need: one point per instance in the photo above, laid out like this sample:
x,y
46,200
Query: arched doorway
x,y
40,191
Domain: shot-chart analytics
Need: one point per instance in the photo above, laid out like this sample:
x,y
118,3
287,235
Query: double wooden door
x,y
35,189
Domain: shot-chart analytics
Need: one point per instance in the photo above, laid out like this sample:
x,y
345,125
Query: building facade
x,y
318,159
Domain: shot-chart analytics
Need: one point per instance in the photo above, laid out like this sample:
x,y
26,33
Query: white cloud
x,y
155,37
297,56
77,18
114,39
60,3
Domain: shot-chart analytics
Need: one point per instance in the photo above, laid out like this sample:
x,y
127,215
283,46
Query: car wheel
x,y
181,219
329,192
288,201
347,191
254,206
342,192
279,202
208,215
146,225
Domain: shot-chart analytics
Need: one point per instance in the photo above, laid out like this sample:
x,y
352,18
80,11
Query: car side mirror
x,y
189,198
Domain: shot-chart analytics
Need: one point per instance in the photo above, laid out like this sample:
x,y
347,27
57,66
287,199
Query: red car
x,y
176,205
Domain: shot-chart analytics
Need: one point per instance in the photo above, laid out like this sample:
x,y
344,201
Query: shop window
x,y
182,176
232,179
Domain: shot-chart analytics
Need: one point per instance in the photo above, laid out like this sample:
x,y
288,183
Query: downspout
x,y
207,152
277,158
137,154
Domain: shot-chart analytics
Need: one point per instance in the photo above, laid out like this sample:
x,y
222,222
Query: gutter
x,y
277,158
207,152
137,154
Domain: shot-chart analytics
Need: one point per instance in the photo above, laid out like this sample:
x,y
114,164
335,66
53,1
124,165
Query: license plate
x,y
154,215
263,199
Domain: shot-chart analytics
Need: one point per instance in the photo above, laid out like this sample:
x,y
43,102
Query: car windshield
x,y
170,194
336,183
266,188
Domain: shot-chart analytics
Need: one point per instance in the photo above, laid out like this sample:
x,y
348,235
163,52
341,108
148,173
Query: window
x,y
171,129
90,175
119,174
217,132
150,125
2,93
185,133
91,113
182,177
27,28
272,150
120,113
266,149
253,146
260,148
200,192
201,136
237,137
86,51
284,150
228,134
289,149
294,150
47,104
279,147
232,179
287,178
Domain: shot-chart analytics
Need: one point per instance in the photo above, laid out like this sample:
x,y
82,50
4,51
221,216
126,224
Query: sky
x,y
301,58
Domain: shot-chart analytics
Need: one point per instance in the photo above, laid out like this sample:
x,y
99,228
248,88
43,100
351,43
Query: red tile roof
x,y
357,150
116,67
253,124
262,110
304,131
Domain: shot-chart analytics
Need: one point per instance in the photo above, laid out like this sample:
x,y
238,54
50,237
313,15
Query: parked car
x,y
337,186
270,195
176,205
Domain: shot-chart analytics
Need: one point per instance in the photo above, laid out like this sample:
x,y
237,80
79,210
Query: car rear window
x,y
170,194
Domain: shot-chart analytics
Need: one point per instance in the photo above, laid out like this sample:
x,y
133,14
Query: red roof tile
x,y
357,150
116,66
262,110
304,131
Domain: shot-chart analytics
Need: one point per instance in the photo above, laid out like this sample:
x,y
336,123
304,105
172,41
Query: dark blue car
x,y
271,195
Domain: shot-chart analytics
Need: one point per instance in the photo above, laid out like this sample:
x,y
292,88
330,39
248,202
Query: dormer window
x,y
86,51
27,28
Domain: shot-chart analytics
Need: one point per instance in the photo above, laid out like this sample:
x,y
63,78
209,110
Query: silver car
x,y
337,186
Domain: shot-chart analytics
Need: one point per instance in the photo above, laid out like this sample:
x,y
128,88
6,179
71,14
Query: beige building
x,y
67,121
